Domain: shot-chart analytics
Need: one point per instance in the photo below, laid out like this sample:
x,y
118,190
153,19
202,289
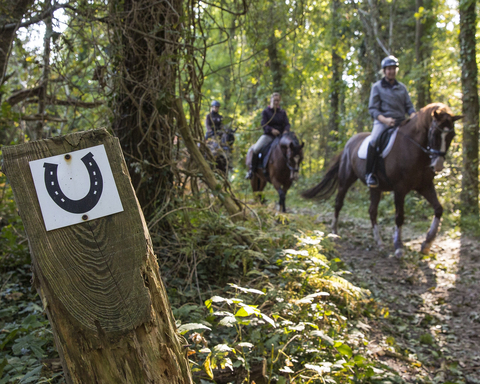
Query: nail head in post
x,y
85,217
67,157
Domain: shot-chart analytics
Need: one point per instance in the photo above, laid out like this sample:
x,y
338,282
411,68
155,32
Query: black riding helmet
x,y
215,103
389,61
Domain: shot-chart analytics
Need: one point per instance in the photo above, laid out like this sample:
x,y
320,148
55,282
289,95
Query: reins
x,y
429,151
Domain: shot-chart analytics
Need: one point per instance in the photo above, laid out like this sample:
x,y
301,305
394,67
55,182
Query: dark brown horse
x,y
418,152
283,167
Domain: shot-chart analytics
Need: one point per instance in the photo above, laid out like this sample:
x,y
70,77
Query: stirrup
x,y
249,174
371,180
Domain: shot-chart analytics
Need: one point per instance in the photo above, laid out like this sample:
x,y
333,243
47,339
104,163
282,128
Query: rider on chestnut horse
x,y
389,103
274,122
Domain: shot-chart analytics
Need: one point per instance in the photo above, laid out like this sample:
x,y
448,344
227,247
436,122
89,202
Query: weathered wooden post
x,y
97,275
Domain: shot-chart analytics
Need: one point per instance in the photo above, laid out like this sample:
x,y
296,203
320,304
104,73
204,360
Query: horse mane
x,y
424,117
293,138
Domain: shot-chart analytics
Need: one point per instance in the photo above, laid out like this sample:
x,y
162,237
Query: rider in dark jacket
x,y
213,121
388,105
274,122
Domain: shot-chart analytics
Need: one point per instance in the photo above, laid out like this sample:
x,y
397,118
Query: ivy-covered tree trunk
x,y
146,34
470,108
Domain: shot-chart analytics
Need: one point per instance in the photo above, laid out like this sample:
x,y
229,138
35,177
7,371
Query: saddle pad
x,y
362,151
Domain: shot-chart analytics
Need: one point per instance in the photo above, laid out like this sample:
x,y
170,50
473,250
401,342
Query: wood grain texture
x,y
92,268
99,281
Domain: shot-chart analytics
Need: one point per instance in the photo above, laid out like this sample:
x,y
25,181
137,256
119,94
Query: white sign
x,y
75,187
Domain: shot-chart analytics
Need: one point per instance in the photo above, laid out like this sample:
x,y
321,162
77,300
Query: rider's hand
x,y
389,121
275,132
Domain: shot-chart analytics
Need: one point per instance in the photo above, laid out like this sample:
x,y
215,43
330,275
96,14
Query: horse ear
x,y
455,118
291,145
303,144
436,115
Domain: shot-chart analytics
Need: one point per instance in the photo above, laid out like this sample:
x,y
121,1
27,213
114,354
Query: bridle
x,y
431,152
293,169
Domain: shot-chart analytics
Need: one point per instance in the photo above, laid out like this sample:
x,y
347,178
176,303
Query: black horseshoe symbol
x,y
75,206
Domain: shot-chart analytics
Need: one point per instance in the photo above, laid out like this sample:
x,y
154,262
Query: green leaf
x,y
323,336
247,310
32,375
184,328
2,366
207,365
345,350
228,321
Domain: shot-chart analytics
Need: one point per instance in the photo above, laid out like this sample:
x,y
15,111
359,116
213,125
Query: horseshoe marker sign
x,y
75,187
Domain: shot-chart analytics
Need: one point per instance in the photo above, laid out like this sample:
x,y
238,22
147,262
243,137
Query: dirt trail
x,y
433,302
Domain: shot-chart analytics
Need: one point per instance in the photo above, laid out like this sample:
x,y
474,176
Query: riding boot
x,y
253,166
370,177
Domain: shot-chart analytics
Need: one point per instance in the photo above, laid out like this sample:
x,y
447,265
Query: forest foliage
x,y
270,288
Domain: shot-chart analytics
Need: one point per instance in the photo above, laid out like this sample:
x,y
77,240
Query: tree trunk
x,y
335,84
147,32
99,280
421,58
275,64
12,12
470,109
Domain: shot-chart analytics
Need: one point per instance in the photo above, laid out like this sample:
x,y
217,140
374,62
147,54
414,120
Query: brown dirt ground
x,y
431,331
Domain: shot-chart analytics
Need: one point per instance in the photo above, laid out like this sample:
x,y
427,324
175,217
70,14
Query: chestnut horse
x,y
283,167
418,152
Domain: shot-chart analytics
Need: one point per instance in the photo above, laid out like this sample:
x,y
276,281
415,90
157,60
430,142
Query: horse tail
x,y
328,185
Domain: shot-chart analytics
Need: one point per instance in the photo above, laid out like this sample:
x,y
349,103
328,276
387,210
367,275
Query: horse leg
x,y
343,188
375,196
258,185
431,196
399,219
281,194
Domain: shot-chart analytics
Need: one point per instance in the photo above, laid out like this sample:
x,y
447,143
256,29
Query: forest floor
x,y
431,325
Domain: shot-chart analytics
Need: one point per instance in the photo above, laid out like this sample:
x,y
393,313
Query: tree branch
x,y
43,118
244,12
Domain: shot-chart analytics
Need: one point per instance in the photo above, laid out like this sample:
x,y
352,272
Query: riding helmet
x,y
389,61
215,103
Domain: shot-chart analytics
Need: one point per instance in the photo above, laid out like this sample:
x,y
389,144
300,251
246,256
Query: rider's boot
x,y
253,166
370,177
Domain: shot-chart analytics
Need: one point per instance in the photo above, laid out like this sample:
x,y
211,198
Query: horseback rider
x,y
274,123
213,121
389,103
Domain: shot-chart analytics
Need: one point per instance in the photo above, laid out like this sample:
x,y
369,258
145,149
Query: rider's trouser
x,y
262,142
378,129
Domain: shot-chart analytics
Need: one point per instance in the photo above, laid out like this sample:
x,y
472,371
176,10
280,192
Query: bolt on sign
x,y
75,187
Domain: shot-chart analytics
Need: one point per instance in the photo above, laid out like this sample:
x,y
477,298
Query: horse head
x,y
293,153
440,135
228,137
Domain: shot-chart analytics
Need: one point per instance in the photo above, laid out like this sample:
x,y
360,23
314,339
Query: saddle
x,y
265,152
384,143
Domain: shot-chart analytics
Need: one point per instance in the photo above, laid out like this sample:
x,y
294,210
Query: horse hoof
x,y
399,252
425,248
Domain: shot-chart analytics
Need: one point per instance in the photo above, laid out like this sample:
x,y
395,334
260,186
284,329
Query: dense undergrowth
x,y
267,293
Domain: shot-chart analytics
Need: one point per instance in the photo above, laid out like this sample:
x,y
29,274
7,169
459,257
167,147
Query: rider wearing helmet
x,y
213,121
389,103
274,122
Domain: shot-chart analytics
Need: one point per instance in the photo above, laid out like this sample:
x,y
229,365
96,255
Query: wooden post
x,y
99,280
